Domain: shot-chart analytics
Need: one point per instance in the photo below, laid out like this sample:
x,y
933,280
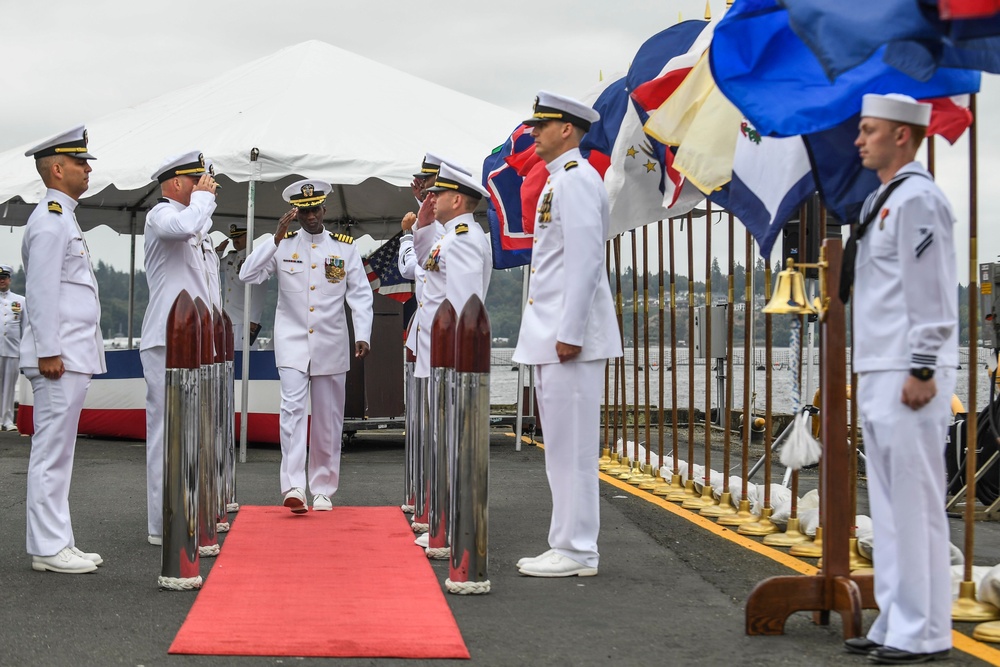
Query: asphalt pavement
x,y
668,592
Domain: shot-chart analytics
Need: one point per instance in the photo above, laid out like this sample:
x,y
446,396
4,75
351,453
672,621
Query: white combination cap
x,y
900,108
307,193
72,142
191,163
549,106
451,178
432,163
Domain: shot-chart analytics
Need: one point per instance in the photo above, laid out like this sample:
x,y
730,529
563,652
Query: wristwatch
x,y
922,373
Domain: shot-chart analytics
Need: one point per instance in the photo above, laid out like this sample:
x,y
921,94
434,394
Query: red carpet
x,y
346,583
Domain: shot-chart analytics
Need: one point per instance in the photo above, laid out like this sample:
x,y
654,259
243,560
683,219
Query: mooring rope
x,y
179,583
438,553
210,550
467,587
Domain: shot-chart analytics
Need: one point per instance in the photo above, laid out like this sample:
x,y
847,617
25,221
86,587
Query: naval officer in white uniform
x,y
61,347
905,353
176,258
568,331
12,313
317,273
234,289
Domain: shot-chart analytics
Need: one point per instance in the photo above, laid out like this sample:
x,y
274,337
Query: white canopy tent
x,y
308,111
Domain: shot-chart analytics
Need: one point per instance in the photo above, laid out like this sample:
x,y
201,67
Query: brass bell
x,y
789,296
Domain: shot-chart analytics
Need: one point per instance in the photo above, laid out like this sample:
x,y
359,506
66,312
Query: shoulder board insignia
x,y
162,200
343,238
55,207
461,228
572,164
289,235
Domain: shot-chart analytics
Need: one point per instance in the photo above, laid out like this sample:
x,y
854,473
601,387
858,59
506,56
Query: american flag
x,y
383,271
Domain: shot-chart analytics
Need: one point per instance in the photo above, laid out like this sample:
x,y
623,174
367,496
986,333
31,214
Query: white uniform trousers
x,y
8,380
58,404
906,490
328,394
569,402
154,369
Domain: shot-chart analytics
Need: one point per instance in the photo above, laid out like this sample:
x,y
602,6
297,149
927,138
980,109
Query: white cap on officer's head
x,y
549,106
5,269
72,142
307,193
458,180
432,163
236,230
191,163
900,108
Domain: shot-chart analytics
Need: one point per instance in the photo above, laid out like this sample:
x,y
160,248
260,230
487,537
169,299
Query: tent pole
x,y
255,169
519,420
131,278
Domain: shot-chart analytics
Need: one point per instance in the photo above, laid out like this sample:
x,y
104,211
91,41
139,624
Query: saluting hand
x,y
279,234
206,184
222,246
426,214
417,188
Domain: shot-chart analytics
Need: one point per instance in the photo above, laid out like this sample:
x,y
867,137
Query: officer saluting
x,y
233,289
177,258
568,331
12,313
61,348
317,272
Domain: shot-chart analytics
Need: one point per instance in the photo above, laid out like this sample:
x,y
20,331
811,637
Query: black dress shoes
x,y
860,645
885,655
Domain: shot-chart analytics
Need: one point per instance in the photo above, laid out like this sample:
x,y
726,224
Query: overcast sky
x,y
82,60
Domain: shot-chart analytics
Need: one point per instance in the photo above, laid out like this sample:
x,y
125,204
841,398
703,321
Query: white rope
x,y
438,553
210,550
420,527
407,508
232,507
222,527
467,587
179,583
793,343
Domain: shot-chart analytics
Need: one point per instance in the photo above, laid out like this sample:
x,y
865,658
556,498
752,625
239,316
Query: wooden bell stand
x,y
773,600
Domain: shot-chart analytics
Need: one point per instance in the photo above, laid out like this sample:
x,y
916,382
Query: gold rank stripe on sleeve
x,y
55,207
572,164
343,238
461,228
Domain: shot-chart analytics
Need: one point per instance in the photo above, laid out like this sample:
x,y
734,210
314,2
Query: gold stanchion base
x,y
812,549
856,561
968,608
645,477
666,489
724,508
605,456
790,537
699,502
742,515
683,494
987,632
762,527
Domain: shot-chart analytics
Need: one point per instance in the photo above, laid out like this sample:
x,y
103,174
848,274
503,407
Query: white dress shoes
x,y
423,541
321,503
524,561
92,557
155,540
295,500
556,565
9,427
64,562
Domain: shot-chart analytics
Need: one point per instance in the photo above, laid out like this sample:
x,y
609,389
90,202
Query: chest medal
x,y
334,269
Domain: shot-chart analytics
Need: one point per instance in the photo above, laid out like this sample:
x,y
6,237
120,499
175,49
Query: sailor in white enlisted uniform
x,y
568,331
906,353
317,273
233,289
61,347
176,258
12,313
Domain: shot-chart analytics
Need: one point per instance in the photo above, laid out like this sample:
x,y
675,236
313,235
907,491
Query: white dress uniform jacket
x,y
456,266
316,274
233,292
905,316
65,322
569,299
12,313
60,281
175,259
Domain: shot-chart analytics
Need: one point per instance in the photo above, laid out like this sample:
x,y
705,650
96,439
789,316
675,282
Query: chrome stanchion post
x,y
208,541
410,422
219,410
230,420
438,470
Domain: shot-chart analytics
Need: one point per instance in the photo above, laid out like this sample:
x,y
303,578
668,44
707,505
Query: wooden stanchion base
x,y
773,600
